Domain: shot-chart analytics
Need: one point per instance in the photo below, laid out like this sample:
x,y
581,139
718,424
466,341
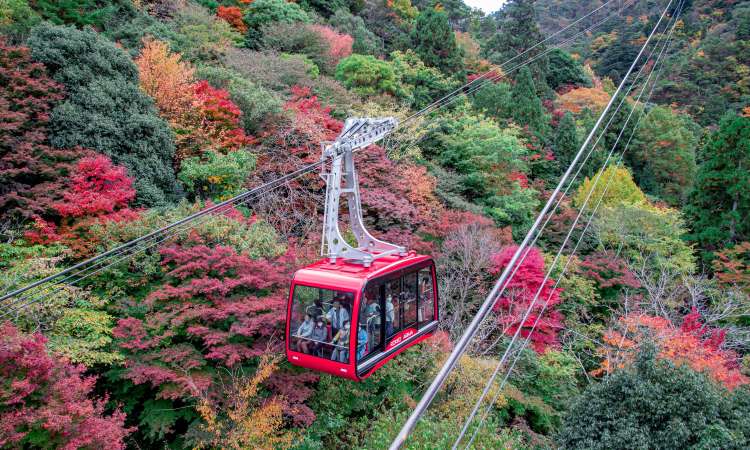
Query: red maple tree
x,y
233,16
692,343
50,399
216,309
519,295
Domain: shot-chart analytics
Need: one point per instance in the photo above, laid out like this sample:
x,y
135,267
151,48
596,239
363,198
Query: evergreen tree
x,y
518,31
494,100
656,405
720,201
435,43
663,155
527,107
617,57
564,70
566,141
105,109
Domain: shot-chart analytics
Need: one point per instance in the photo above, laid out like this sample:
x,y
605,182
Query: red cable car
x,y
388,306
350,313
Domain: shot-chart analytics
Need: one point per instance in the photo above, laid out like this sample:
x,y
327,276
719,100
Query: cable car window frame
x,y
381,348
328,343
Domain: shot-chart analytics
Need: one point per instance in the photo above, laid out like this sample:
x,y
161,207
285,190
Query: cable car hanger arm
x,y
341,180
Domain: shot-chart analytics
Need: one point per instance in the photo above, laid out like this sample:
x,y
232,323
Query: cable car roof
x,y
352,276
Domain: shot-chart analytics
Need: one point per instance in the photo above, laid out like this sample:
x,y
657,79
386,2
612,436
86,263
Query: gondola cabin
x,y
348,320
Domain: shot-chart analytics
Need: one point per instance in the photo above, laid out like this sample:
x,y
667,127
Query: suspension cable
x,y
495,292
569,234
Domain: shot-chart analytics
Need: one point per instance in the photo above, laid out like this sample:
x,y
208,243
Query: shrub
x,y
609,414
80,12
233,16
365,41
367,75
271,70
265,12
202,37
217,176
17,19
295,38
105,109
339,45
421,85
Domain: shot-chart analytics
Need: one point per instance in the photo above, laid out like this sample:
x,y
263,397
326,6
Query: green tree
x,y
421,84
663,155
105,109
367,75
17,19
566,141
527,107
263,12
647,237
516,32
619,185
433,40
564,70
616,58
201,36
719,204
655,405
81,12
216,176
494,100
365,41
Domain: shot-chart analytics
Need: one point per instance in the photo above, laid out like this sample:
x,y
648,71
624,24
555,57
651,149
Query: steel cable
x,y
554,263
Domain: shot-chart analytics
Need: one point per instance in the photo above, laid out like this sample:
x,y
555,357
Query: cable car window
x,y
320,322
369,334
409,300
426,297
392,307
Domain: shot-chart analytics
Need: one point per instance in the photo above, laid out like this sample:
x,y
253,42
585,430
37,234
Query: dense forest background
x,y
118,117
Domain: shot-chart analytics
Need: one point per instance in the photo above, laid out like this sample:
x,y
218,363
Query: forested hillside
x,y
119,117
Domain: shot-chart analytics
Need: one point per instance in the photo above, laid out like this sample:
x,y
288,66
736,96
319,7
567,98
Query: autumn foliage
x,y
693,343
217,309
593,98
520,293
203,117
233,16
32,172
339,45
732,266
44,400
166,78
96,187
96,191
